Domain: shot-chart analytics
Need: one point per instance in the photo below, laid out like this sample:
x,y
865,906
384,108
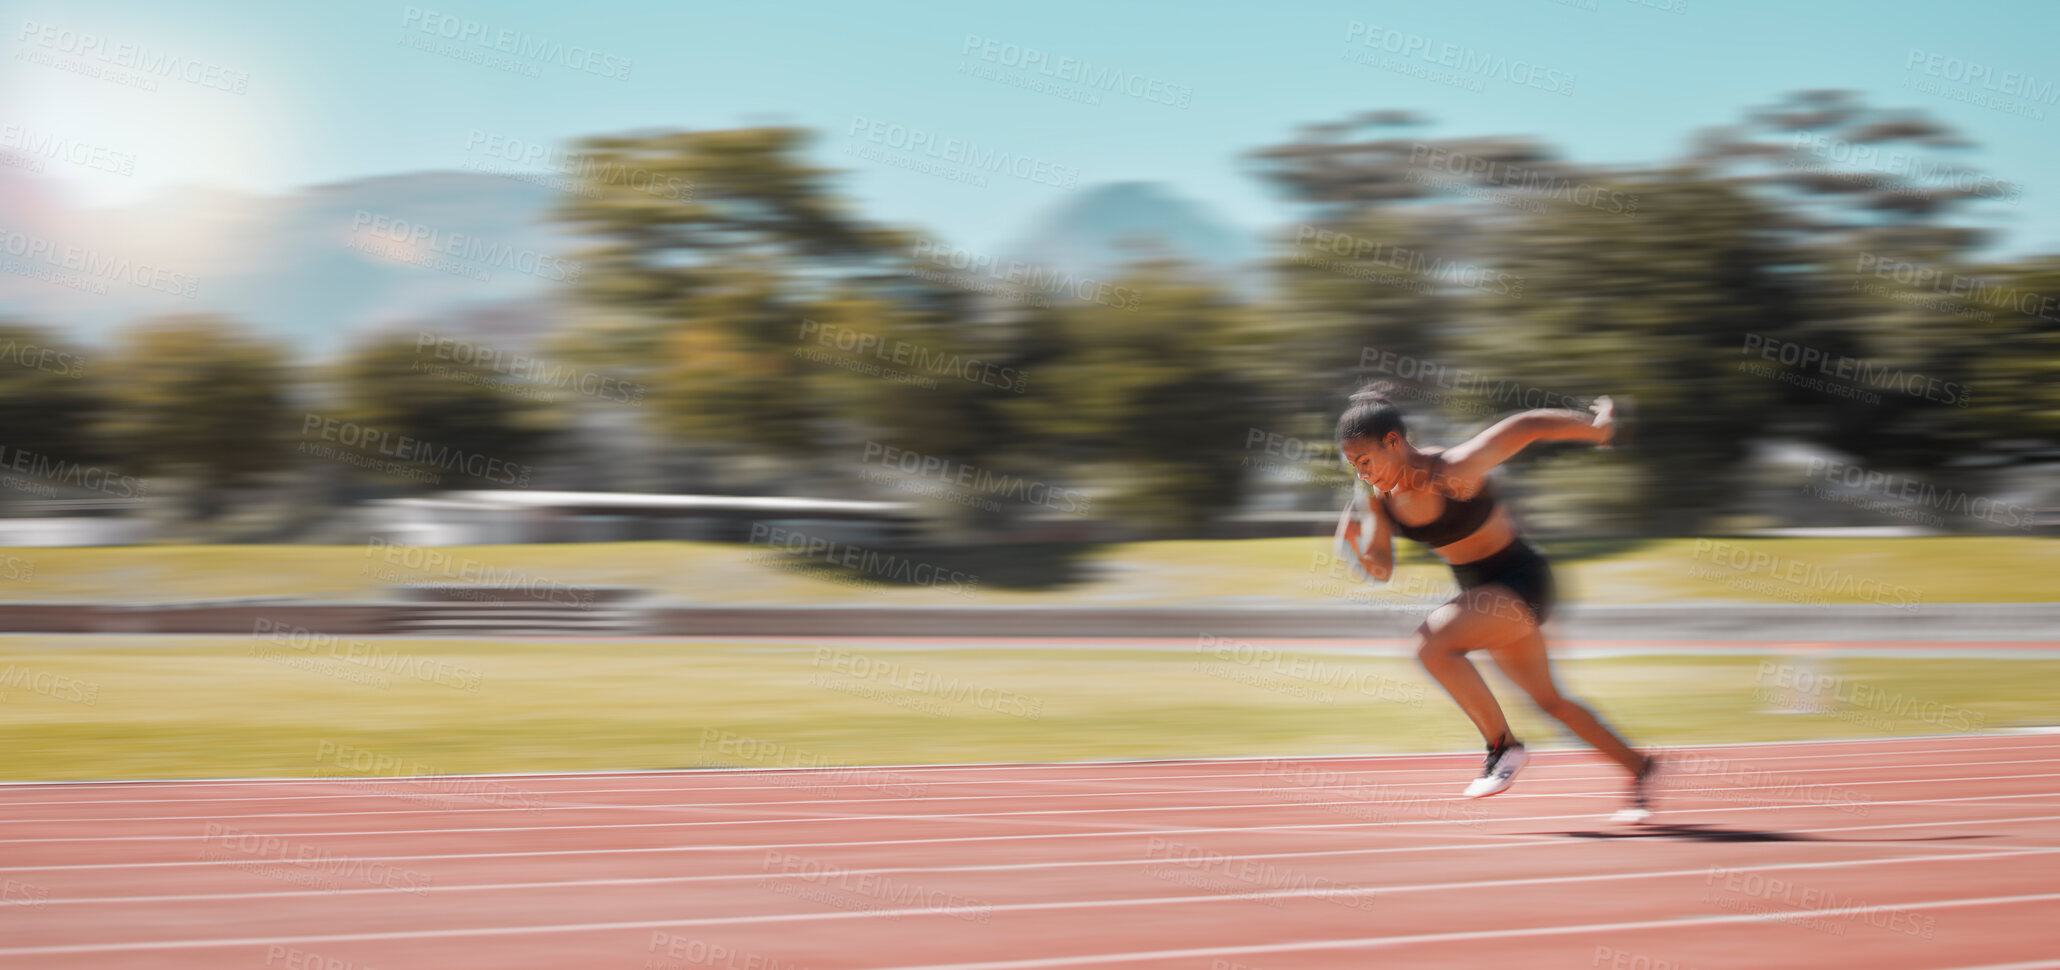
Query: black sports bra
x,y
1458,520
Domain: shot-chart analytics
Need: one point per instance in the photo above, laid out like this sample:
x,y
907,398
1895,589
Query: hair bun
x,y
1374,393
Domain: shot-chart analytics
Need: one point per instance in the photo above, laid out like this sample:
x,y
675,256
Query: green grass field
x,y
106,707
1218,573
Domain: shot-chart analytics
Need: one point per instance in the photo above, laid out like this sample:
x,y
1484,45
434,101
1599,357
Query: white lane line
x,y
1332,763
1288,785
1968,853
1468,936
1127,831
930,816
1032,907
1990,742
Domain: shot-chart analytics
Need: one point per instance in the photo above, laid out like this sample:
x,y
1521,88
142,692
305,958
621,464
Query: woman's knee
x,y
1559,708
1429,647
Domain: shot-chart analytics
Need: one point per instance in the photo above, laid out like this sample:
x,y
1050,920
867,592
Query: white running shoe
x,y
1501,767
1642,785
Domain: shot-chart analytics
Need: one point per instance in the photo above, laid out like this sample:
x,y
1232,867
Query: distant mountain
x,y
1095,233
317,268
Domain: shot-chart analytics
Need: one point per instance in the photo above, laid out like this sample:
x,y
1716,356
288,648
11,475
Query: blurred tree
x,y
1370,296
1818,223
1654,305
1876,204
2015,385
199,398
49,403
1158,398
1394,255
770,320
437,420
1846,175
720,274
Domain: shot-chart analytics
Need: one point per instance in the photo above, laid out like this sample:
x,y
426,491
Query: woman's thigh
x,y
1481,618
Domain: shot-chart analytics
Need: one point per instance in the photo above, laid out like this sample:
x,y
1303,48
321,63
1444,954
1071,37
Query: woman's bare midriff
x,y
1485,541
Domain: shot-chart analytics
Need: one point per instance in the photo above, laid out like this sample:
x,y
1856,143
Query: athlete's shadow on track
x,y
1718,833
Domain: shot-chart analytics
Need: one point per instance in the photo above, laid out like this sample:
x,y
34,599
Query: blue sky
x,y
331,91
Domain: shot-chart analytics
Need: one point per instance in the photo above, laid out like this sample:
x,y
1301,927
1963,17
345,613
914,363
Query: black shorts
x,y
1518,567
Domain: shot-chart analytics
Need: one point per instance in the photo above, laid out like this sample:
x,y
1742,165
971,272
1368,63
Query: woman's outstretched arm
x,y
1463,468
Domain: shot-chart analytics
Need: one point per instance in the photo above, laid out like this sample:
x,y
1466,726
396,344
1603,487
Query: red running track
x,y
1919,852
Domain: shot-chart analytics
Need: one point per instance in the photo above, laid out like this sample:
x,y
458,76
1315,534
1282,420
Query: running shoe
x,y
1504,761
1642,786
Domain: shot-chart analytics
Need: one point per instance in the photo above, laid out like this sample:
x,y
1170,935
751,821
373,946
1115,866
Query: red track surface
x,y
1920,852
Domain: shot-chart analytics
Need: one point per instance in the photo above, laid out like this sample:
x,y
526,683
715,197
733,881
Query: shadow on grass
x,y
1040,566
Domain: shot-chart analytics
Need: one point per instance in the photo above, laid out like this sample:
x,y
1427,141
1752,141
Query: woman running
x,y
1441,498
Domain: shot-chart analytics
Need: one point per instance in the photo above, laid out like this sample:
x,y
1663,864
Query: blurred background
x,y
371,321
